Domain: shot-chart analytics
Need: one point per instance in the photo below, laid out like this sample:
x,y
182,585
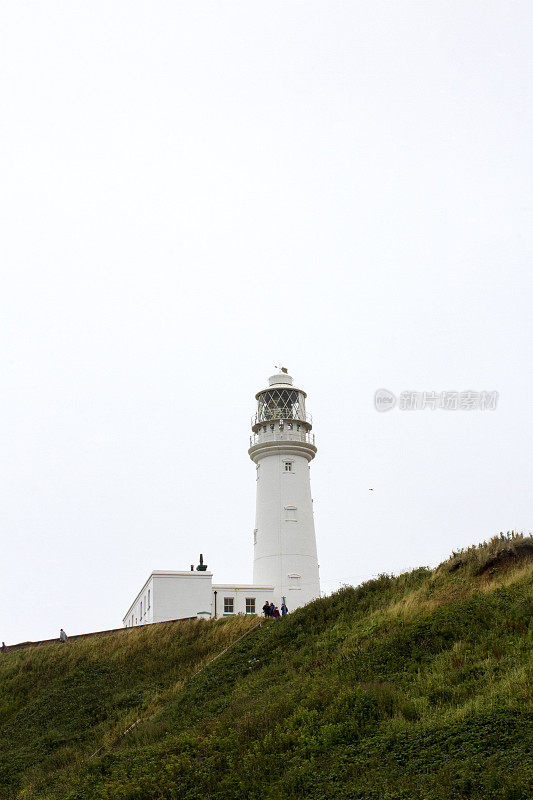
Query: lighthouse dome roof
x,y
280,379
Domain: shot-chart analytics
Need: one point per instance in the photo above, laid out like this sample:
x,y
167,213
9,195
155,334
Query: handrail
x,y
305,417
290,436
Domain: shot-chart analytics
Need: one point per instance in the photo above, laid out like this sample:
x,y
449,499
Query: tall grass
x,y
410,687
500,551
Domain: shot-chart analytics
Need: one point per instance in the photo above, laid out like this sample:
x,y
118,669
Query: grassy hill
x,y
408,687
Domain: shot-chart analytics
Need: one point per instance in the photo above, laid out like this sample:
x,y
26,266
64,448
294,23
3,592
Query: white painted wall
x,y
239,593
181,594
173,595
141,610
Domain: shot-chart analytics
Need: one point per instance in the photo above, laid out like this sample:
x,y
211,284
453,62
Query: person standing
x,y
276,612
284,609
266,609
62,635
271,609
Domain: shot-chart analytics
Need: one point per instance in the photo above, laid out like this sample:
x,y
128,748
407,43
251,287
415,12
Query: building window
x,y
228,605
294,581
290,514
250,605
288,466
148,599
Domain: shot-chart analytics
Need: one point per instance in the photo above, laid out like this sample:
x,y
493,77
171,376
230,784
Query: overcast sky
x,y
194,192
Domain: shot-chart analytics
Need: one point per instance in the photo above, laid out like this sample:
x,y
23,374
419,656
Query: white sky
x,y
194,192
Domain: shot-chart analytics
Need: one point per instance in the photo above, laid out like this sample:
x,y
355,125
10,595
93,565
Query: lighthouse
x,y
285,561
282,448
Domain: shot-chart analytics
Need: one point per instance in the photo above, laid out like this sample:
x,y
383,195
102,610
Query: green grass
x,y
414,687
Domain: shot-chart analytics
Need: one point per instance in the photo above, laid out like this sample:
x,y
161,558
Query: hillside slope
x,y
413,687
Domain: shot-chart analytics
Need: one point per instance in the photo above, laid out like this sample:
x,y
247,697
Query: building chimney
x,y
201,566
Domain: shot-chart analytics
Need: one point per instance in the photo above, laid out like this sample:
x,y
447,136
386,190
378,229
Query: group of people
x,y
270,610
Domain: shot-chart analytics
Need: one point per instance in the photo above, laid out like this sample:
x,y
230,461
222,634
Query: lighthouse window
x,y
228,605
281,404
250,605
288,466
290,514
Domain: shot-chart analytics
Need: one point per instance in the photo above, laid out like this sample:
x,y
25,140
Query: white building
x,y
169,595
285,558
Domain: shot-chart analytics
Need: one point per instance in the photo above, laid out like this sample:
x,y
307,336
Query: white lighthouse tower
x,y
285,562
282,446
